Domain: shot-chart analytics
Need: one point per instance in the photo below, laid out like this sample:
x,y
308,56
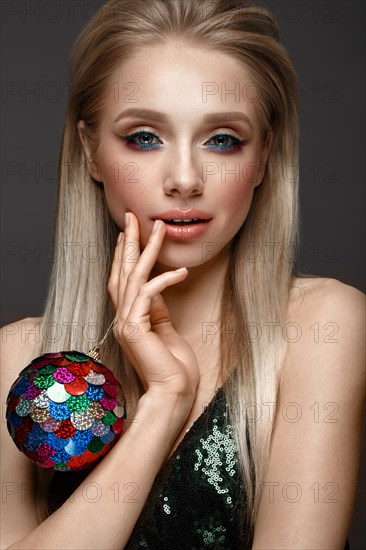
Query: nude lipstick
x,y
184,225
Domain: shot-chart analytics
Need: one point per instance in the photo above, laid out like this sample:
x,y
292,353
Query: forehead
x,y
182,80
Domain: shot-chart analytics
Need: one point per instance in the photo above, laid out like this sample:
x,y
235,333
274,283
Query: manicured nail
x,y
180,269
156,226
119,237
127,217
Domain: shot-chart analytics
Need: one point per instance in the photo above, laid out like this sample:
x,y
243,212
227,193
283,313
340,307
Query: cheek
x,y
122,186
250,172
237,190
116,203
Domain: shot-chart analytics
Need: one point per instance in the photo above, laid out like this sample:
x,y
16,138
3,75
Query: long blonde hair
x,y
261,263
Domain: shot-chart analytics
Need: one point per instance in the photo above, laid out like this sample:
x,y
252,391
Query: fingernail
x,y
119,237
180,269
156,226
127,217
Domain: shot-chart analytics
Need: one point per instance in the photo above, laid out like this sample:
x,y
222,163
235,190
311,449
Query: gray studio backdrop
x,y
326,42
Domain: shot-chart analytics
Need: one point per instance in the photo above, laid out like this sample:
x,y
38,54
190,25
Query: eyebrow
x,y
160,117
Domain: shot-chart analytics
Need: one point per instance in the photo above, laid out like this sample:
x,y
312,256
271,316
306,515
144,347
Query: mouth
x,y
192,221
185,230
184,225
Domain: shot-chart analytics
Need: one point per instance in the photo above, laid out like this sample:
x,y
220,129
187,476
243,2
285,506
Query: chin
x,y
170,262
188,256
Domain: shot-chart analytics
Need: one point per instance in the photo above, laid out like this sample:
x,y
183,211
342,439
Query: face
x,y
177,143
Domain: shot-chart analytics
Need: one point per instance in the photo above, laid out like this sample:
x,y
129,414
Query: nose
x,y
183,176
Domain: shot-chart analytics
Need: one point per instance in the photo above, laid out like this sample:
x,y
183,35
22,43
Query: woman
x,y
202,285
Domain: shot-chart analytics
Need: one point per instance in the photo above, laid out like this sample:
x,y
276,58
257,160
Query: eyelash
x,y
130,139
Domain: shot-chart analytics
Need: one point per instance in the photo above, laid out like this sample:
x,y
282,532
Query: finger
x,y
137,326
140,311
160,317
131,249
114,276
130,256
141,271
151,251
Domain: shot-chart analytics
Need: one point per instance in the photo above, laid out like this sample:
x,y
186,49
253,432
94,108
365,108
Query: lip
x,y
183,215
181,232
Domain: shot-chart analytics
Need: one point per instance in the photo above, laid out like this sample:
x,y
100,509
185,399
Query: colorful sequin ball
x,y
65,410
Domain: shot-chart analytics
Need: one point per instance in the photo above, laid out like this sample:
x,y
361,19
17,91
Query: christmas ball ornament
x,y
66,410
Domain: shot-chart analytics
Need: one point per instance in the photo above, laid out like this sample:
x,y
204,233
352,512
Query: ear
x,y
92,166
264,157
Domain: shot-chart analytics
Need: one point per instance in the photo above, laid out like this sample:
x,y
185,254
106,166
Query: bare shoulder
x,y
326,352
314,293
317,433
19,344
328,312
21,335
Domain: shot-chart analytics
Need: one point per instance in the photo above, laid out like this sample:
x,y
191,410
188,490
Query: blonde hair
x,y
261,270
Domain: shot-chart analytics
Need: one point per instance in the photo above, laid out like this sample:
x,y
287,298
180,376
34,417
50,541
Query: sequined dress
x,y
194,501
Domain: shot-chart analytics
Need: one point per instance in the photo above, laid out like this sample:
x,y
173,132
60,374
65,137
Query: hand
x,y
164,362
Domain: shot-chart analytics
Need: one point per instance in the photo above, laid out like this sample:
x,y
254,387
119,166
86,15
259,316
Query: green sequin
x,y
48,369
217,450
78,403
109,418
44,381
166,506
77,357
95,445
213,533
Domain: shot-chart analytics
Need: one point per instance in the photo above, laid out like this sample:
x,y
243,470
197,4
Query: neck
x,y
194,308
196,300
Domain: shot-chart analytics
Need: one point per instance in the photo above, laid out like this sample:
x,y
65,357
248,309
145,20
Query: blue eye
x,y
145,140
226,142
142,140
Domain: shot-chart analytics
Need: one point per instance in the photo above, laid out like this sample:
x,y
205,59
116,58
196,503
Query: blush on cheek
x,y
118,201
120,197
250,173
239,193
238,200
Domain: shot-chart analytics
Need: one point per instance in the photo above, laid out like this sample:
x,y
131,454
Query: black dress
x,y
194,502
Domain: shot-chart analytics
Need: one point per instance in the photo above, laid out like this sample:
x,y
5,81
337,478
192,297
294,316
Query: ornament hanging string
x,y
94,352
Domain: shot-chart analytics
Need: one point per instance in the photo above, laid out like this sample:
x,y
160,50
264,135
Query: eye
x,y
225,142
142,139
